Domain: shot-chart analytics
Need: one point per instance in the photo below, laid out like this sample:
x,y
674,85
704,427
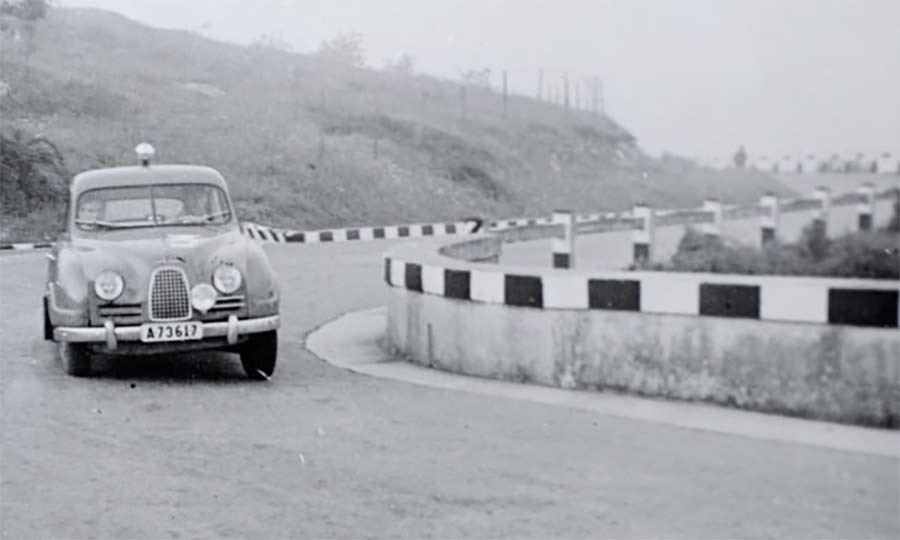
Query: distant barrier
x,y
862,162
644,221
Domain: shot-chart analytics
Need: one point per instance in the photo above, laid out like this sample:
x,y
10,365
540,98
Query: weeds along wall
x,y
813,347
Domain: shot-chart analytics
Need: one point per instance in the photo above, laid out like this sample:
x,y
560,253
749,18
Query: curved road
x,y
186,447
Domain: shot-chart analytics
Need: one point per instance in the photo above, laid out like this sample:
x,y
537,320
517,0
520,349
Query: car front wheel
x,y
76,359
48,326
258,355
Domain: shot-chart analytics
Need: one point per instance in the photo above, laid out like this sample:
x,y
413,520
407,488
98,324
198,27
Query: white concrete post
x,y
768,221
643,237
822,213
713,228
866,208
564,248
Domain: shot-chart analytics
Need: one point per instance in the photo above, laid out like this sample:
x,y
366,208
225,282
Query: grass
x,y
305,143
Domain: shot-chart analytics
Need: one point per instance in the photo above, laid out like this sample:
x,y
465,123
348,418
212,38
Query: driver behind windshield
x,y
91,210
194,202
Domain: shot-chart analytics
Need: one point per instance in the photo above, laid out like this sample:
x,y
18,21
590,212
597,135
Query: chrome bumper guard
x,y
112,335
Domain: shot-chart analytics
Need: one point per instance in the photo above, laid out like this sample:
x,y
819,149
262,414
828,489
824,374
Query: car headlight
x,y
227,279
108,285
203,297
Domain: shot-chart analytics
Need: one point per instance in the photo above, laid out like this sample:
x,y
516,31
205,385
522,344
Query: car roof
x,y
146,175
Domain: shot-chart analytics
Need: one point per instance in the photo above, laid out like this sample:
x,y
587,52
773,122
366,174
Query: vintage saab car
x,y
153,261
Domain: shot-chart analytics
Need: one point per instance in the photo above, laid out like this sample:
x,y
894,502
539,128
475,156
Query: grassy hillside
x,y
306,143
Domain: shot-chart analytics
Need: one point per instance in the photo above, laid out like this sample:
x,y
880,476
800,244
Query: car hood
x,y
135,253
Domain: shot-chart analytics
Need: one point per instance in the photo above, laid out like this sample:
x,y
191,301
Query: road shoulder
x,y
351,341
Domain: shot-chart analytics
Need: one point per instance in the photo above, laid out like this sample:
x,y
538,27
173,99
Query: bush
x,y
872,254
862,255
33,174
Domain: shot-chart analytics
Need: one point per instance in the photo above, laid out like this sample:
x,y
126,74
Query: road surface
x,y
186,447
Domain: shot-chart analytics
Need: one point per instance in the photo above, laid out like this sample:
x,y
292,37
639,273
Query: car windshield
x,y
152,206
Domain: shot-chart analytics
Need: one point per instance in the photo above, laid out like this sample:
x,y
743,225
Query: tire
x,y
76,359
258,355
48,327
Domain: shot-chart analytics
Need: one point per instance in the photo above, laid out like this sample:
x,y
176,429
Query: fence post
x,y
714,206
866,208
564,248
768,221
643,237
505,91
822,213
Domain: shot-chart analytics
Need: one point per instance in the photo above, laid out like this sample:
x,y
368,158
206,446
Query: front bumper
x,y
112,335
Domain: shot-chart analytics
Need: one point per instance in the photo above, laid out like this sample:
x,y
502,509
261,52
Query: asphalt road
x,y
186,447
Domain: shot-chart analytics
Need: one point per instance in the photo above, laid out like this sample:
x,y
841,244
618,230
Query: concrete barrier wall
x,y
814,347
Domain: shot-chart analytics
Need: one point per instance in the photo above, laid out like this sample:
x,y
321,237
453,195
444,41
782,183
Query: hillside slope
x,y
305,143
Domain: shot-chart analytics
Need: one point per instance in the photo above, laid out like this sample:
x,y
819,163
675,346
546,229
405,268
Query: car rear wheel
x,y
76,359
258,355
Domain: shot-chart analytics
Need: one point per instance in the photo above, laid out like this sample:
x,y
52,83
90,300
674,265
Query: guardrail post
x,y
866,208
643,236
768,221
564,248
822,213
715,227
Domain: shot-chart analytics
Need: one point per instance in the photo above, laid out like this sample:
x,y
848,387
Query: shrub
x,y
33,173
862,255
871,254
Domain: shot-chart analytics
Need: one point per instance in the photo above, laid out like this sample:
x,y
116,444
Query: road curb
x,y
351,341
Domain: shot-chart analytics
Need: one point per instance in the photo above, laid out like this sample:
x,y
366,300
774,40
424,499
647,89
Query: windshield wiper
x,y
110,225
205,218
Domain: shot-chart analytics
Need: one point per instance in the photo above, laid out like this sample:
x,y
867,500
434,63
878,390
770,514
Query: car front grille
x,y
169,297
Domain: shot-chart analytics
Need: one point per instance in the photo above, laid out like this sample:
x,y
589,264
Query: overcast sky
x,y
695,77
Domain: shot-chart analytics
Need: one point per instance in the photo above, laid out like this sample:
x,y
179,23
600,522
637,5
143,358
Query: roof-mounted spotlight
x,y
144,152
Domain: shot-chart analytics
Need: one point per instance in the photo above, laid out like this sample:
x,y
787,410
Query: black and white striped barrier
x,y
866,207
713,227
26,246
642,237
768,220
713,213
266,234
787,299
564,248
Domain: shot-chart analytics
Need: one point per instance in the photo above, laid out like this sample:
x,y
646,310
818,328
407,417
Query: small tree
x,y
18,19
479,78
33,173
403,65
345,50
814,243
740,158
267,41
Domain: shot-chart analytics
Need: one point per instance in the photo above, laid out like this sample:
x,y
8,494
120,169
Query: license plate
x,y
180,331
